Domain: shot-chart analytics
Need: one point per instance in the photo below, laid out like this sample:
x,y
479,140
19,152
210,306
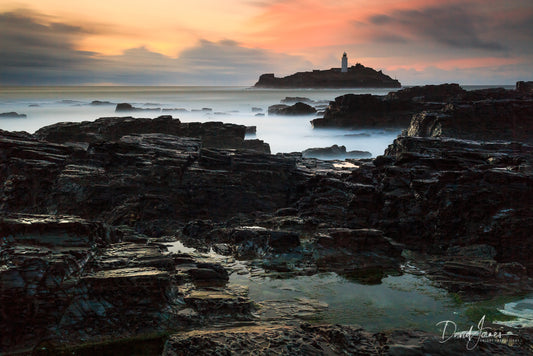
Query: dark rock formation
x,y
86,285
481,120
366,111
334,152
275,109
524,87
358,76
212,134
438,93
296,109
125,107
102,103
456,180
12,115
296,99
397,108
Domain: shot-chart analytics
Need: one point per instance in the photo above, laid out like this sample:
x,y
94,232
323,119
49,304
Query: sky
x,y
232,42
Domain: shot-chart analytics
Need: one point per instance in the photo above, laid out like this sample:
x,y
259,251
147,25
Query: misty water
x,y
48,105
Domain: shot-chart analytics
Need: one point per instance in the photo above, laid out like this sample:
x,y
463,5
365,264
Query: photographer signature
x,y
475,336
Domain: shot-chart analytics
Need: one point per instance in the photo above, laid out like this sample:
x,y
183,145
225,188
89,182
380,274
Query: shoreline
x,y
108,198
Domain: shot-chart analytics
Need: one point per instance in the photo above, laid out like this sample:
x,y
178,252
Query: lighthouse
x,y
344,62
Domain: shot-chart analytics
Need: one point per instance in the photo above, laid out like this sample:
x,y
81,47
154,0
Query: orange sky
x,y
388,34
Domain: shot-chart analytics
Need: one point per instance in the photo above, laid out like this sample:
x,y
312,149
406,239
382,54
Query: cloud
x,y
432,37
36,52
380,19
26,43
454,26
224,62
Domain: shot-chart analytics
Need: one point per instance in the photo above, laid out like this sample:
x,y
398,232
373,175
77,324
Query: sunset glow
x,y
280,36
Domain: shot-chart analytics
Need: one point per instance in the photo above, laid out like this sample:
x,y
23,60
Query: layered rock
x,y
41,257
212,134
457,183
306,339
482,120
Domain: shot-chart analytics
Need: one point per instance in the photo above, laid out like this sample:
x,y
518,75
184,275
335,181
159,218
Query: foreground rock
x,y
457,179
87,210
65,280
524,87
307,339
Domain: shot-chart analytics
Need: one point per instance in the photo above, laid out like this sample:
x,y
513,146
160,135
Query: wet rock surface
x,y
90,212
307,339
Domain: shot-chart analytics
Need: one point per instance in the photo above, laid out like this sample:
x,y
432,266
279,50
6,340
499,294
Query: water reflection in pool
x,y
399,301
410,300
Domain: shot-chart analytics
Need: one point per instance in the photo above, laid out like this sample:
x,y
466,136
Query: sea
x,y
46,105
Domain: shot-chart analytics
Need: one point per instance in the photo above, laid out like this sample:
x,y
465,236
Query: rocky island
x,y
125,236
357,76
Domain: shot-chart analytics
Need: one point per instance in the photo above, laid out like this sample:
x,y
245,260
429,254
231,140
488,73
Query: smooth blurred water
x,y
48,105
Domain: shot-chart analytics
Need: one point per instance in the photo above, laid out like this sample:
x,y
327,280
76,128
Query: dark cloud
x,y
380,19
460,27
223,63
518,32
390,38
36,52
29,47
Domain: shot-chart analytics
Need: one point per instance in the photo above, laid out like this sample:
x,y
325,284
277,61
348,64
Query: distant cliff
x,y
358,76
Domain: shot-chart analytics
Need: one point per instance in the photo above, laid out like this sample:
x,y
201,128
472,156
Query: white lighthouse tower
x,y
344,62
